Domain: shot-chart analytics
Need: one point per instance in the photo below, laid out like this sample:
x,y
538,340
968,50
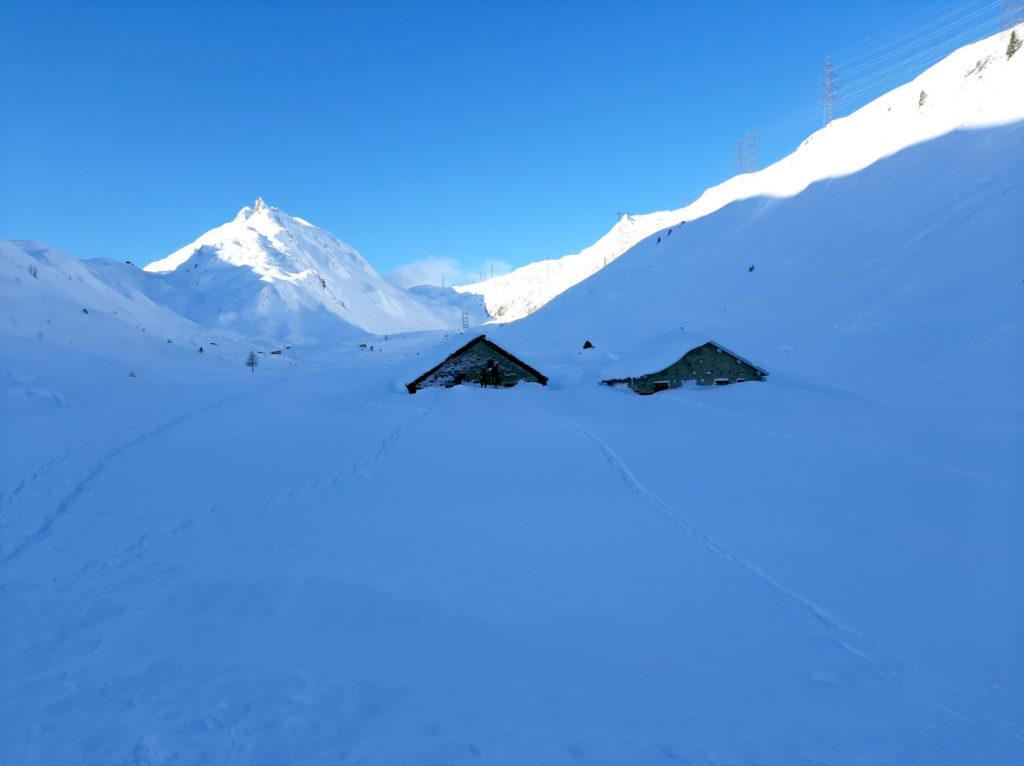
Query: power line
x,y
917,62
986,15
909,27
1013,13
887,71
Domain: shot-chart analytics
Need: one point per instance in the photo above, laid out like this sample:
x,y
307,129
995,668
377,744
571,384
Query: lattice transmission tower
x,y
747,160
828,92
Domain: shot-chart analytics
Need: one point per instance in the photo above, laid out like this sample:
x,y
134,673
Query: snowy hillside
x,y
909,271
975,86
49,295
301,563
270,275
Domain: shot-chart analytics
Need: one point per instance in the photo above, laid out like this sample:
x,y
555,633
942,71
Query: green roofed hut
x,y
707,363
480,361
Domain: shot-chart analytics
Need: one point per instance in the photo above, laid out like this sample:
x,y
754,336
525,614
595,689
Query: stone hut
x,y
480,361
707,364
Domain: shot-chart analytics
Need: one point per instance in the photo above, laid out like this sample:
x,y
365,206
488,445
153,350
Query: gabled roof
x,y
733,354
660,351
490,344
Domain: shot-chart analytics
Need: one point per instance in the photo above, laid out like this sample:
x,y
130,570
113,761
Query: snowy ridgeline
x,y
304,564
976,86
272,275
277,278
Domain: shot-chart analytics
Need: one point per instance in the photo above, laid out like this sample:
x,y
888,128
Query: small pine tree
x,y
1014,46
251,361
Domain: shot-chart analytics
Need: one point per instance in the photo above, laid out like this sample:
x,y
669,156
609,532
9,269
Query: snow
x,y
275,276
71,303
907,272
976,86
306,564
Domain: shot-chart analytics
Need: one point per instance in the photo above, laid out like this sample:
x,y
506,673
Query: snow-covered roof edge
x,y
659,352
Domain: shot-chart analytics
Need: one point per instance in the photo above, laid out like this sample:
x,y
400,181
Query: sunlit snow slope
x,y
975,86
47,294
268,274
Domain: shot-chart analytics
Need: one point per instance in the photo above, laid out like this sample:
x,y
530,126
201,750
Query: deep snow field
x,y
303,564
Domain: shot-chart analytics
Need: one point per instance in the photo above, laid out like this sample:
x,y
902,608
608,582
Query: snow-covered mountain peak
x,y
269,241
269,273
260,206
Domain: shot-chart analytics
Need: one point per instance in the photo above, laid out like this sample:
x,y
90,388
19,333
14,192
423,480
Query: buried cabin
x,y
707,364
480,361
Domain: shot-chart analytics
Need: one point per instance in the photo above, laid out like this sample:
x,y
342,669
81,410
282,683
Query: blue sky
x,y
472,131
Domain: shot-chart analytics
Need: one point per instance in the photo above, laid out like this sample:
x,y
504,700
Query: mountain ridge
x,y
267,273
978,85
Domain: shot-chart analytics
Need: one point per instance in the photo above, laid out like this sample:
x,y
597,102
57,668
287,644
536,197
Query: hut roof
x,y
411,386
658,352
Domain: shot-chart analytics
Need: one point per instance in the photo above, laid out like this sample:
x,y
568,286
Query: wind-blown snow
x,y
976,86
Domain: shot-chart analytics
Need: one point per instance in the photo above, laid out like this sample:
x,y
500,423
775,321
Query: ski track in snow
x,y
361,468
86,479
884,663
30,479
849,638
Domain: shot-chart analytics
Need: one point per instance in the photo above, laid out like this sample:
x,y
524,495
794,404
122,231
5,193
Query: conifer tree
x,y
1014,46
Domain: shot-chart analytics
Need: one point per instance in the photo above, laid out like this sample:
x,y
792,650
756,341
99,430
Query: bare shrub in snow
x,y
251,361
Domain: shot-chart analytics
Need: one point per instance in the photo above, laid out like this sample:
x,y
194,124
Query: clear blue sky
x,y
475,131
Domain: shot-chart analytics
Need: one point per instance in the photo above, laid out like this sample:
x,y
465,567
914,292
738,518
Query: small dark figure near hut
x,y
490,375
480,361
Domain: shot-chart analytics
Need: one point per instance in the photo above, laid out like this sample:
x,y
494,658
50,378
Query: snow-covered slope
x,y
522,291
910,270
272,275
46,293
58,315
975,86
